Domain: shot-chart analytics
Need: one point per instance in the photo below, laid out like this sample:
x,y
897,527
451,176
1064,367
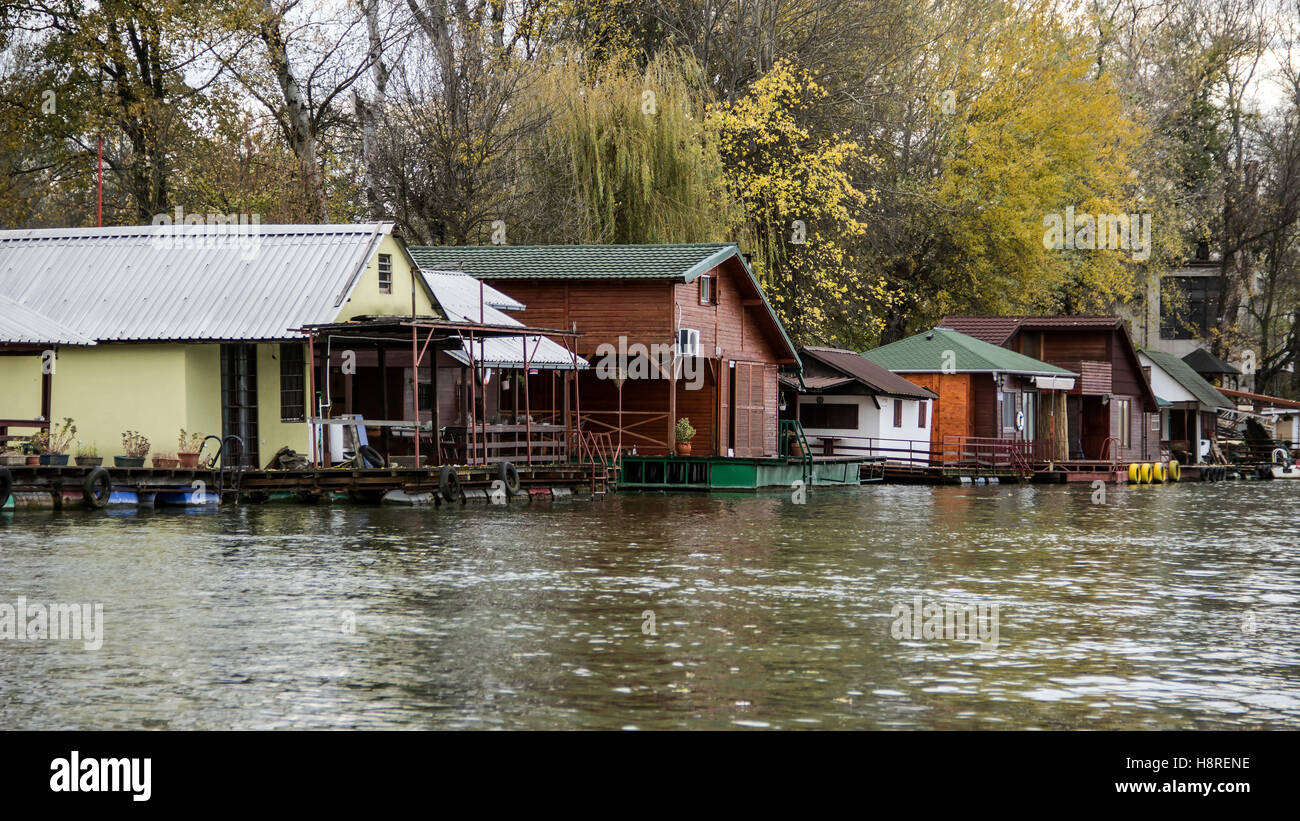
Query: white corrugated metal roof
x,y
464,290
508,352
20,324
143,283
458,294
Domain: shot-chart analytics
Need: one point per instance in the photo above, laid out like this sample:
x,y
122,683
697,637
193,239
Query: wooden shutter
x,y
769,400
724,407
741,374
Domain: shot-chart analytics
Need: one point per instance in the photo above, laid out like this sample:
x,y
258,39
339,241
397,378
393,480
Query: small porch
x,y
426,392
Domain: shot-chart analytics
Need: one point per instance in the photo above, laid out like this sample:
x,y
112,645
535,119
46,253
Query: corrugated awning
x,y
508,352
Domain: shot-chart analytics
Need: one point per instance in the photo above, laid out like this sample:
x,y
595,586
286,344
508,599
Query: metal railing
x,y
988,453
789,433
599,451
918,453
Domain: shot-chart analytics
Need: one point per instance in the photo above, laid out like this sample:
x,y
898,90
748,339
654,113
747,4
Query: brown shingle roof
x,y
875,377
992,329
998,329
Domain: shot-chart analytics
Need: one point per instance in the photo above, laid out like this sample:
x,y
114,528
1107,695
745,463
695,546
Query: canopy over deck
x,y
479,346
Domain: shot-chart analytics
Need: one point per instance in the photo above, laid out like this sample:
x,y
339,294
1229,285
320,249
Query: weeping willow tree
x,y
628,157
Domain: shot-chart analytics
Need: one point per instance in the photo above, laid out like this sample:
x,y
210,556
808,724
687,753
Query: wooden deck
x,y
62,486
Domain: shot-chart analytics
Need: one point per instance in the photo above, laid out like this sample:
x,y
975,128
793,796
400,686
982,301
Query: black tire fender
x,y
369,457
6,485
97,487
509,476
449,484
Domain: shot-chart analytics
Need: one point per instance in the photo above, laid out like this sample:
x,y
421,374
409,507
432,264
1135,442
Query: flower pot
x,y
53,458
683,448
33,460
188,460
13,461
128,461
89,461
165,463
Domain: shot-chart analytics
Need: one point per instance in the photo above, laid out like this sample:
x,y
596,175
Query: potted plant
x,y
165,461
796,449
52,444
88,456
136,447
685,433
13,456
188,447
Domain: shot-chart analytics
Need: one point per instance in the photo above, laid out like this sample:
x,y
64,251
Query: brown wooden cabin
x,y
987,395
1112,399
686,326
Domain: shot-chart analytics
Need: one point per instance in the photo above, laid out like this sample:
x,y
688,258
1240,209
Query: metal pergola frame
x,y
423,333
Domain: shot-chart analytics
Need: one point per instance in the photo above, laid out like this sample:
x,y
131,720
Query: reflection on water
x,y
1170,607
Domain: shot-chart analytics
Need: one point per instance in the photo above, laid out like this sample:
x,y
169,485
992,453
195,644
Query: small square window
x,y
385,273
706,290
921,408
898,413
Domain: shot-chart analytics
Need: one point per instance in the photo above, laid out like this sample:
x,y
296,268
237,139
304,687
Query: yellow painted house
x,y
156,328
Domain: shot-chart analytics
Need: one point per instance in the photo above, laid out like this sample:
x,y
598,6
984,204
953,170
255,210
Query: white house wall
x,y
1164,385
891,442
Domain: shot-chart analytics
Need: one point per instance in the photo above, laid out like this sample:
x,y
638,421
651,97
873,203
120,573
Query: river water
x,y
1164,607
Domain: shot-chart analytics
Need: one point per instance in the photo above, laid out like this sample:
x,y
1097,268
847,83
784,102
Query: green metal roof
x,y
924,353
685,261
1195,384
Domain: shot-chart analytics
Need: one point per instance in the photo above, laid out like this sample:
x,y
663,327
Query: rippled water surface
x,y
1167,607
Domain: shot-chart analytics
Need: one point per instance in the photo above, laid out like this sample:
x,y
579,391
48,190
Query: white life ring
x,y
1020,420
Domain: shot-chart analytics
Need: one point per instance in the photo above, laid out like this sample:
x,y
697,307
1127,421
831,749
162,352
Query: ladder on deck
x,y
599,451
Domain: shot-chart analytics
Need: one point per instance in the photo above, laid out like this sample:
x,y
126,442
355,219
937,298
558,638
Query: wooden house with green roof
x,y
1111,412
671,331
985,392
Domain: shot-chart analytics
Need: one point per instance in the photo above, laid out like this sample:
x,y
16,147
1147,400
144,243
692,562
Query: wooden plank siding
x,y
1107,367
984,404
953,413
734,339
604,309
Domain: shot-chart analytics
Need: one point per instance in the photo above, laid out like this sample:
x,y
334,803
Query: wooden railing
x,y
636,426
6,424
521,444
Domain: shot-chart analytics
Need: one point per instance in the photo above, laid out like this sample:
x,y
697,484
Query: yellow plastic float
x,y
1146,473
1158,473
1174,470
1134,473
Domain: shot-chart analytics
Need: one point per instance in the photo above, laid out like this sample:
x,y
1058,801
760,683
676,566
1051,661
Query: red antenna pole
x,y
99,215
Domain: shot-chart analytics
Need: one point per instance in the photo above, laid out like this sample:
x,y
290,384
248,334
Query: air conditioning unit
x,y
688,342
